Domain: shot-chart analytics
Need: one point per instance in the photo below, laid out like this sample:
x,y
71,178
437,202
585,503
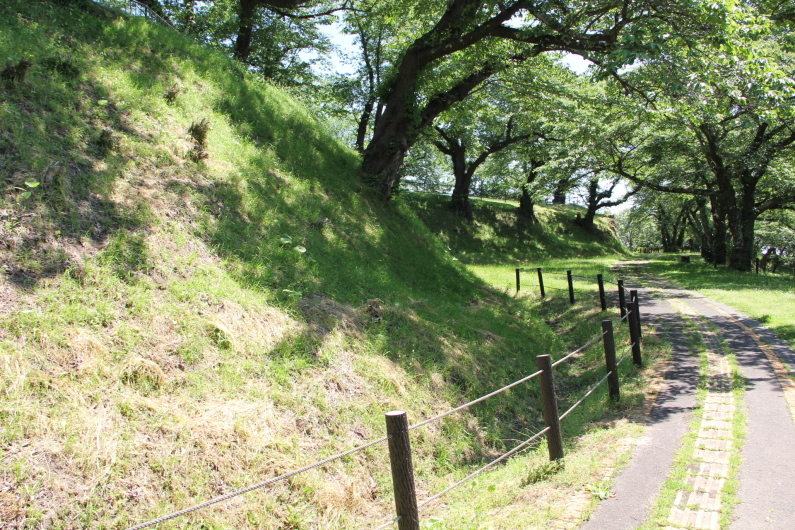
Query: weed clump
x,y
62,65
15,73
108,141
198,131
171,95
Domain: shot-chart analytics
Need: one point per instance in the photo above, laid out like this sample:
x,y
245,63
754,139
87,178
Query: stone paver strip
x,y
700,506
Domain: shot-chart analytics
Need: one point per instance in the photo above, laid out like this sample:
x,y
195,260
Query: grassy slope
x,y
494,237
171,330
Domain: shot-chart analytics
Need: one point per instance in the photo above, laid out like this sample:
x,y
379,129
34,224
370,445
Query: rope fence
x,y
578,350
570,279
407,508
484,398
591,391
510,453
626,354
263,484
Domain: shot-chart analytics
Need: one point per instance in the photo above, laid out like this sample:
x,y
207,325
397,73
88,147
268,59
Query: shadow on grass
x,y
494,236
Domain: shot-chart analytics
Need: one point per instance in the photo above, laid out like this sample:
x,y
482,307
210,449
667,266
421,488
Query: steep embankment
x,y
183,314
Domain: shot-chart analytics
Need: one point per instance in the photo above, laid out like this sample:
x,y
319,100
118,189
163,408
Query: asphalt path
x,y
767,473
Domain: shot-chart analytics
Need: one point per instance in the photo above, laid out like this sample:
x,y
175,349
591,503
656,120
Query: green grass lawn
x,y
768,298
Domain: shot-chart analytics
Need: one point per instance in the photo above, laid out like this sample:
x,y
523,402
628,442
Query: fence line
x,y
633,348
478,400
578,350
626,354
484,468
626,316
591,391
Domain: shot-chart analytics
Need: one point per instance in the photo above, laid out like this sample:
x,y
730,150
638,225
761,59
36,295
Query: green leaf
x,y
32,183
300,249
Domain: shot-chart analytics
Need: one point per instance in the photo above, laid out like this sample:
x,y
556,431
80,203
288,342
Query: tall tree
x,y
485,139
725,130
484,38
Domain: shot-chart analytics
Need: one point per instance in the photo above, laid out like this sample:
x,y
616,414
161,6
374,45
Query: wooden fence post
x,y
397,427
541,283
571,287
602,300
517,279
622,301
610,359
634,324
549,402
636,306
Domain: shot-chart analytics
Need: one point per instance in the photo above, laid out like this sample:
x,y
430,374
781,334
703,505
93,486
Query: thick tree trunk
x,y
394,134
742,254
462,207
459,201
559,195
719,247
526,212
245,29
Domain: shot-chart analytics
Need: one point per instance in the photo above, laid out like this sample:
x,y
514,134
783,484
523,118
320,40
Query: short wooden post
x,y
602,299
571,287
549,403
622,301
610,359
636,307
633,336
517,279
397,427
756,260
541,283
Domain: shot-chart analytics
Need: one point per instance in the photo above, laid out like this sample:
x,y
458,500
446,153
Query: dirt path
x,y
766,470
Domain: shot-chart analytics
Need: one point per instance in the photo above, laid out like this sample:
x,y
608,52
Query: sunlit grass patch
x,y
768,298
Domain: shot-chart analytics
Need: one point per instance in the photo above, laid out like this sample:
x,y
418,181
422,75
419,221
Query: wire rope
x,y
484,468
389,523
268,482
581,348
626,354
585,396
478,400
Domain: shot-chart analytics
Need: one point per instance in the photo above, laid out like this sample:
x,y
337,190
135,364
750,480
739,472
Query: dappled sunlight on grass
x,y
494,236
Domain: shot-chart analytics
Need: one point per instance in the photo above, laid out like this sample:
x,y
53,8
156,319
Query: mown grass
x,y
768,298
175,327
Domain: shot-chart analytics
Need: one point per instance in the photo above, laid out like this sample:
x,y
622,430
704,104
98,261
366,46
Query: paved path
x,y
767,472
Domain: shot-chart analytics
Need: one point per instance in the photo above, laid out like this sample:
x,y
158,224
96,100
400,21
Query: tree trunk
x,y
559,195
526,212
245,29
364,121
394,134
719,248
459,201
743,253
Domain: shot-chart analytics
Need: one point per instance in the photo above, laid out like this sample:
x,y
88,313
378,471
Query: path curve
x,y
767,473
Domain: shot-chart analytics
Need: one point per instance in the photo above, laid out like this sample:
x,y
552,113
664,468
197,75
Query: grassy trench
x,y
186,313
